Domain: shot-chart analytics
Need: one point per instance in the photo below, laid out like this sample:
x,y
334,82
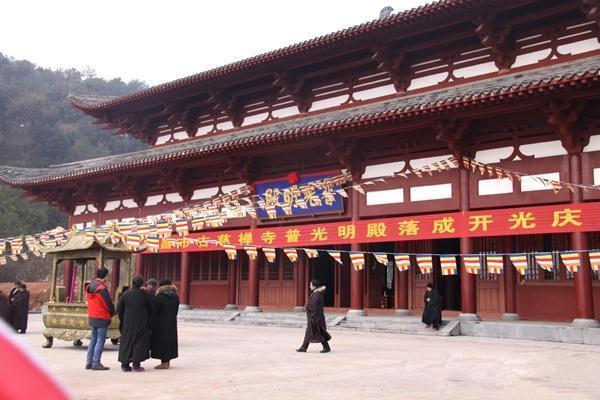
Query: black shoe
x,y
301,350
99,367
88,366
327,350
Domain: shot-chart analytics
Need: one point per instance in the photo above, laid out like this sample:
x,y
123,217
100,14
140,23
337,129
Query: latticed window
x,y
224,267
288,268
205,265
195,260
274,268
214,267
420,247
243,265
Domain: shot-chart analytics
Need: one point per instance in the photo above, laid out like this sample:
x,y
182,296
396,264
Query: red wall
x,y
208,294
550,302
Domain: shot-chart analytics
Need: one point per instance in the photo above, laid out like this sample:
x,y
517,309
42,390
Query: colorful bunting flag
x,y
402,261
230,250
571,260
595,260
381,258
133,241
520,262
181,227
472,264
495,264
292,254
358,261
425,263
310,253
336,256
448,265
251,251
544,260
270,254
153,243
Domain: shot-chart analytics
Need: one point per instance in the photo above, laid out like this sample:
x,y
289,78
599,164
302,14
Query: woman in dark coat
x,y
4,308
164,326
20,309
432,314
316,330
135,313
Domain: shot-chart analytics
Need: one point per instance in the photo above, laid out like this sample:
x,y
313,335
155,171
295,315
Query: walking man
x,y
316,330
100,312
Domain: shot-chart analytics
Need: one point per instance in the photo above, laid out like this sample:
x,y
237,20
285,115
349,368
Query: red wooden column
x,y
301,287
68,278
139,264
184,299
584,299
510,286
468,282
232,286
401,286
356,277
115,272
253,281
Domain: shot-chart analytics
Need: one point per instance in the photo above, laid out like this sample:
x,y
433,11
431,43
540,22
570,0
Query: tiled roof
x,y
508,87
402,20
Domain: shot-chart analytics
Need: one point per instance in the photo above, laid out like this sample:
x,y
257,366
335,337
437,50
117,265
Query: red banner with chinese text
x,y
560,218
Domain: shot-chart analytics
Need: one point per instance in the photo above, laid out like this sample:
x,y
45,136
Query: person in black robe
x,y
20,309
316,330
432,314
164,327
135,313
4,308
11,296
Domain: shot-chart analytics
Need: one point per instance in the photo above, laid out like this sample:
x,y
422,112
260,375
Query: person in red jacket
x,y
100,312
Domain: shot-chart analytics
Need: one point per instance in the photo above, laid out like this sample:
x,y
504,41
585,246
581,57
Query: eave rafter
x,y
565,116
297,88
498,38
395,64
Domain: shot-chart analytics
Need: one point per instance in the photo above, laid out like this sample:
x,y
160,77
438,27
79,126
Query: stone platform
x,y
521,330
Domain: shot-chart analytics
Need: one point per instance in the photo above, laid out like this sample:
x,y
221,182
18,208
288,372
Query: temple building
x,y
512,84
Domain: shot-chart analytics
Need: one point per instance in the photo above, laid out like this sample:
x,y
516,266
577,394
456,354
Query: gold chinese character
x,y
377,229
318,234
444,225
224,238
202,241
268,237
566,216
523,220
245,238
347,231
480,221
408,228
292,235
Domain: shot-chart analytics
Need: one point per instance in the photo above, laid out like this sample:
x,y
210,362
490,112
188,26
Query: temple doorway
x,y
448,286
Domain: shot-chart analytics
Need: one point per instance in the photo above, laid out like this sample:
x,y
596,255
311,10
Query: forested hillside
x,y
38,127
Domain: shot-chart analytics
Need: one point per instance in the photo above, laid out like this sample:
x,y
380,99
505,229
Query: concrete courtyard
x,y
247,362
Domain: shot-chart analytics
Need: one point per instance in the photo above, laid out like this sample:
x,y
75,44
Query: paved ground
x,y
243,362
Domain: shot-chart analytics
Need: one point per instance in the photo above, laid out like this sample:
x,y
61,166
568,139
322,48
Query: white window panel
x,y
494,186
530,184
230,188
174,197
421,162
431,192
79,209
390,196
493,156
112,205
596,176
386,169
593,145
543,149
205,193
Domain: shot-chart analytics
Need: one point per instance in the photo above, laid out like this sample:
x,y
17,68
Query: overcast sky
x,y
158,41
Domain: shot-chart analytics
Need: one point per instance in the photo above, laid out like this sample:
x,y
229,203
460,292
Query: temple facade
x,y
511,84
